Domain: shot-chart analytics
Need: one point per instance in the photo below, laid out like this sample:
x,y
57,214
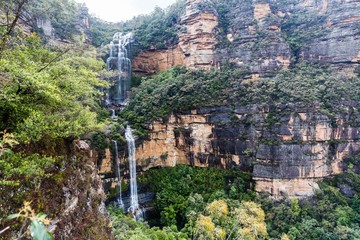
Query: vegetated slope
x,y
179,89
198,203
49,97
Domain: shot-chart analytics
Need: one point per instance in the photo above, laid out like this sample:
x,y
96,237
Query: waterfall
x,y
119,61
134,205
117,165
113,114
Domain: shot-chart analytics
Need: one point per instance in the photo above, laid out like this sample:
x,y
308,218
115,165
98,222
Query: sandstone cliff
x,y
263,36
196,47
288,148
266,36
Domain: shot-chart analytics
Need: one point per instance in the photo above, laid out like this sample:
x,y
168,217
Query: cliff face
x,y
270,35
341,43
263,36
287,149
79,205
71,195
150,62
197,40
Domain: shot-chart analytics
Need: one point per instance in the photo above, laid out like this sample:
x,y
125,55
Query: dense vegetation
x,y
48,98
201,203
176,187
178,89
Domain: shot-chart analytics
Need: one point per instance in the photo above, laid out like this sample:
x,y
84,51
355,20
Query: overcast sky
x,y
119,10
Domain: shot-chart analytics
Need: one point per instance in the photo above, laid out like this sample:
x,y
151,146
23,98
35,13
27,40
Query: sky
x,y
120,10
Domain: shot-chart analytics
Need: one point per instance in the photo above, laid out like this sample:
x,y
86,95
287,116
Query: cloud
x,y
120,10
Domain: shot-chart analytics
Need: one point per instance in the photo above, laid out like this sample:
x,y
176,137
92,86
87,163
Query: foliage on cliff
x,y
47,99
178,89
65,16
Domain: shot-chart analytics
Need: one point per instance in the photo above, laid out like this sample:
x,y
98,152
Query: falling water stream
x,y
134,204
119,61
120,202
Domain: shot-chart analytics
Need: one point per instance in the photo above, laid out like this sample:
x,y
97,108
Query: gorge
x,y
220,119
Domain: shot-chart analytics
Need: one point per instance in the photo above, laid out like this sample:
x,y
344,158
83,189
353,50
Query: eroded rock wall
x,y
78,198
341,41
151,62
287,149
265,36
196,47
198,39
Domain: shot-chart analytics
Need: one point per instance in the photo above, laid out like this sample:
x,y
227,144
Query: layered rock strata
x,y
198,40
269,35
151,62
196,47
266,36
288,149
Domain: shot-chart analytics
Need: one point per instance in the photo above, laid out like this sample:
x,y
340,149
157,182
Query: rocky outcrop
x,y
264,36
288,149
255,41
196,47
341,41
76,200
80,209
151,62
70,194
198,40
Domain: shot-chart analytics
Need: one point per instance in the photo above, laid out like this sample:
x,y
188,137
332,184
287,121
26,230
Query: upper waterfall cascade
x,y
119,61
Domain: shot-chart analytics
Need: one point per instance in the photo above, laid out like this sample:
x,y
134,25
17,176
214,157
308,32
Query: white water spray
x,y
119,60
113,114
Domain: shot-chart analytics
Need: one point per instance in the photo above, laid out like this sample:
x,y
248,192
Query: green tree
x,y
47,95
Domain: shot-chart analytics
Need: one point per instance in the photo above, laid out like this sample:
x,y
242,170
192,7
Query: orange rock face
x,y
287,158
150,62
106,163
261,10
196,48
199,40
168,144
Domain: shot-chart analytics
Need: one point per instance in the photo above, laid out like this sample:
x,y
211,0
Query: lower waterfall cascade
x,y
134,204
119,201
